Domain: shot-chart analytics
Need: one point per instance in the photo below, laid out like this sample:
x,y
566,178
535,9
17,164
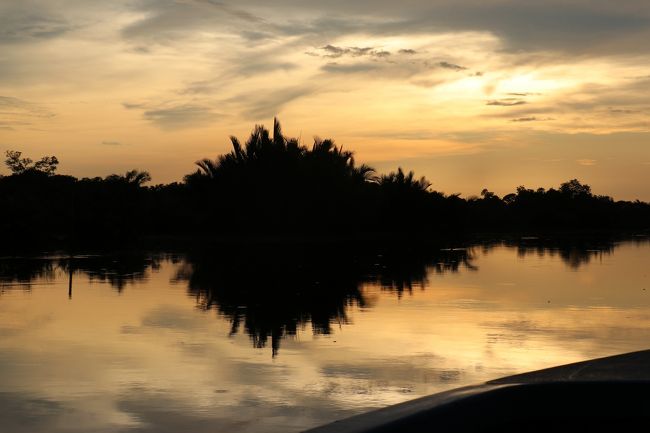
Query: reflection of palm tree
x,y
272,292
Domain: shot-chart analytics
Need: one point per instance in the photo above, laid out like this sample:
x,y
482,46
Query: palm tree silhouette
x,y
261,151
405,182
131,177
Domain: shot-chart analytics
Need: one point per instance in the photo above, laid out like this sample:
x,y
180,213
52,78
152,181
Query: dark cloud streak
x,y
354,68
531,119
509,102
334,52
28,26
452,66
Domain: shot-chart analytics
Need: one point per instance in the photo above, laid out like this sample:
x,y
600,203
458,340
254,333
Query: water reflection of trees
x,y
22,272
401,270
573,252
118,270
273,292
270,292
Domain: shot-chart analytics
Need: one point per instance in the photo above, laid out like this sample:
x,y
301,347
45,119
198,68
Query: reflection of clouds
x,y
25,413
393,373
17,329
254,413
28,412
570,329
521,332
148,360
172,317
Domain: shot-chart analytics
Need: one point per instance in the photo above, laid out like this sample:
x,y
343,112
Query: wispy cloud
x,y
181,116
531,119
256,107
586,162
579,26
169,19
16,113
24,25
353,68
622,111
334,52
11,105
133,106
507,102
452,66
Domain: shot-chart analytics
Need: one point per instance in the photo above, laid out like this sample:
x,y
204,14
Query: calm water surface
x,y
282,342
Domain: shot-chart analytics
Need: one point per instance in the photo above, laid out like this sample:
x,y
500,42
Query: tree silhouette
x,y
574,189
273,187
131,177
18,165
273,182
398,180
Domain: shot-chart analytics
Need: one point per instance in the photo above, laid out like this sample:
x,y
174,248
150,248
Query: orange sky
x,y
495,93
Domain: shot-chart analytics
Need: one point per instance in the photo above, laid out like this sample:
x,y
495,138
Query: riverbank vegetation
x,y
272,185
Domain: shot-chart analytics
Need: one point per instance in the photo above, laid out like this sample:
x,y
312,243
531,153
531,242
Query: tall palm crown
x,y
278,156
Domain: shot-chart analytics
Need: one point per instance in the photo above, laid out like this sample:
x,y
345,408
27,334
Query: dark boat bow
x,y
608,394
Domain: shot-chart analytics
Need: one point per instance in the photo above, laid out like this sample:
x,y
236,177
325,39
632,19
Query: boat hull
x,y
609,394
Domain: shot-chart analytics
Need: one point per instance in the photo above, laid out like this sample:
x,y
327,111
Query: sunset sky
x,y
470,93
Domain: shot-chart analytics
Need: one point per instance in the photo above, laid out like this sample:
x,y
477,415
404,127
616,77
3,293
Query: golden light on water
x,y
120,359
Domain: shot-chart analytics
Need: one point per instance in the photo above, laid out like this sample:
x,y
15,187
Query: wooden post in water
x,y
70,278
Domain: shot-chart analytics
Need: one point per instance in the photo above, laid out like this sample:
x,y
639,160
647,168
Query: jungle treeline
x,y
274,186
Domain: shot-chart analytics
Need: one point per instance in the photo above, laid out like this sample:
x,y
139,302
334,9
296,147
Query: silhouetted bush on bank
x,y
274,186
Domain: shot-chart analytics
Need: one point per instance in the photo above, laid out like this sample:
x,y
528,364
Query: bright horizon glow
x,y
469,102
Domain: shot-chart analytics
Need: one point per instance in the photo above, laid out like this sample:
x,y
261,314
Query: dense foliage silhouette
x,y
272,186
